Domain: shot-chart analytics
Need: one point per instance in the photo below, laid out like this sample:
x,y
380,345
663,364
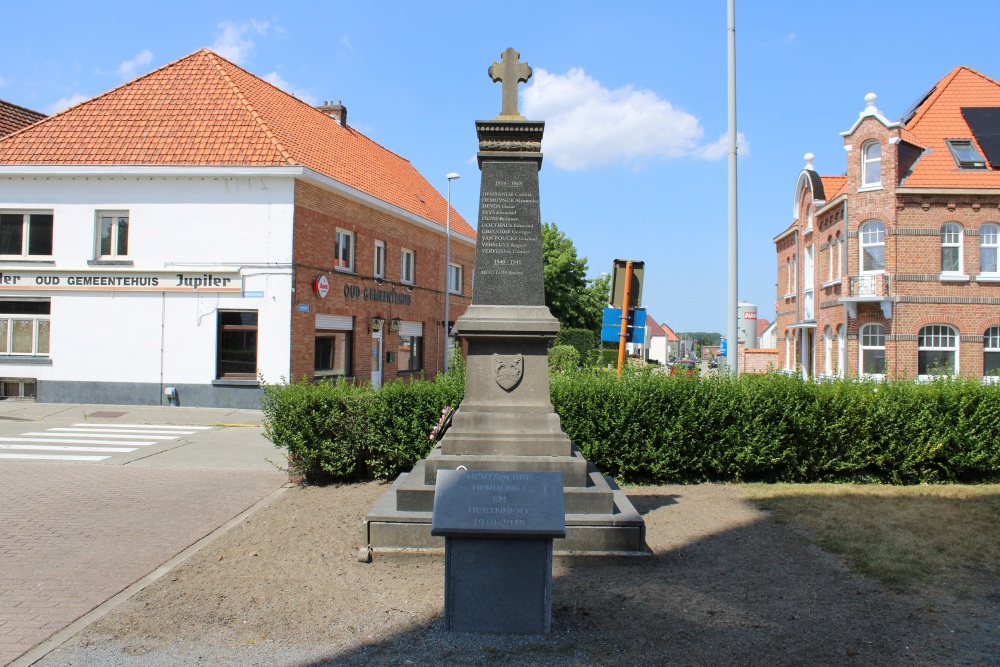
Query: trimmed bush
x,y
581,339
563,359
652,427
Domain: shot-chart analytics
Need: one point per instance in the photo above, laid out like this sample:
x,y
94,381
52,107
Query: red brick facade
x,y
915,286
318,215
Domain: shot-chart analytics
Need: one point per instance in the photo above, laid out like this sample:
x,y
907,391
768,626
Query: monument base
x,y
618,532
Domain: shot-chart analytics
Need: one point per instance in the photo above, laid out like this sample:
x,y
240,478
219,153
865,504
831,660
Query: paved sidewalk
x,y
73,535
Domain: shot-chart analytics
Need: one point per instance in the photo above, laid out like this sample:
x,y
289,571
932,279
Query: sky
x,y
633,94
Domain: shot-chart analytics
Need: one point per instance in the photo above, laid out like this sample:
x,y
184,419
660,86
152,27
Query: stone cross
x,y
510,73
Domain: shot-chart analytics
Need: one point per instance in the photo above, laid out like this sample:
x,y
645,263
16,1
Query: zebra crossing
x,y
90,441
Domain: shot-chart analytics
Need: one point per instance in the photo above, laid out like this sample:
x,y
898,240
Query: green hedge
x,y
650,427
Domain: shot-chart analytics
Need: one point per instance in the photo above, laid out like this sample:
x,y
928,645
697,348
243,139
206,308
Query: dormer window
x,y
965,154
871,165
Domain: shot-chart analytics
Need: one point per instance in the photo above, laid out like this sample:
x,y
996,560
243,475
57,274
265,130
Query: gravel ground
x,y
725,585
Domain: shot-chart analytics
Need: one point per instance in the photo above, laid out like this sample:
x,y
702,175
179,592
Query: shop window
x,y
406,270
112,234
455,278
937,351
24,328
379,268
872,235
333,353
25,234
343,250
871,165
237,353
871,343
988,244
410,356
951,248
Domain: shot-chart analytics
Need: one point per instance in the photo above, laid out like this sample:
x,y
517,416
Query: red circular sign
x,y
321,286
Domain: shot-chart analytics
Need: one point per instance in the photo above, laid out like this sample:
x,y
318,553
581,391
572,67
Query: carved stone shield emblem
x,y
507,370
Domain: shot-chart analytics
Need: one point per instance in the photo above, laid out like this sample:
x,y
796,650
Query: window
x,y
871,164
379,269
937,350
991,352
872,247
841,350
343,250
951,248
237,344
333,353
406,266
807,269
988,244
789,362
411,354
828,349
838,244
24,327
25,234
788,275
828,260
454,278
871,342
965,154
112,234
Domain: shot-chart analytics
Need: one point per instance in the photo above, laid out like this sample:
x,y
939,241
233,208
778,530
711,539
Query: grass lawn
x,y
945,537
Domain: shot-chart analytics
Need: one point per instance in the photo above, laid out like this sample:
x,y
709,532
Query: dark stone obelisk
x,y
506,422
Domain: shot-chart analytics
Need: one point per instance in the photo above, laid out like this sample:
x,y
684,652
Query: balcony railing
x,y
874,286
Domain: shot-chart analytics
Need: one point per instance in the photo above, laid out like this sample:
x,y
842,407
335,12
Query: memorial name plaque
x,y
487,503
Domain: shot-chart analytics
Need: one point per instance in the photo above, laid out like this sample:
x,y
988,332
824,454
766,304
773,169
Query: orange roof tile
x,y
938,118
833,186
205,110
13,117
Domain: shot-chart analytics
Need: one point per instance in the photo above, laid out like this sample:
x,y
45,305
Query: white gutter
x,y
304,173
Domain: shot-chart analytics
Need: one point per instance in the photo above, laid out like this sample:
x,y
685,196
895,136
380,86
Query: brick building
x,y
174,238
891,270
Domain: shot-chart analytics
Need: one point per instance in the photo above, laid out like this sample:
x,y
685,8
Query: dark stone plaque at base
x,y
498,528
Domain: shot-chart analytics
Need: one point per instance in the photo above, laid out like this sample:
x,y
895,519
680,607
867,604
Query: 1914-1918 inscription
x,y
509,244
496,503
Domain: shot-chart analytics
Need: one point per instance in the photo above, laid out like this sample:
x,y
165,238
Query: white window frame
x,y
991,345
828,349
869,337
116,217
871,235
989,240
788,269
841,350
378,268
407,266
26,233
867,161
829,260
455,278
937,338
343,260
840,257
7,322
951,238
789,362
808,277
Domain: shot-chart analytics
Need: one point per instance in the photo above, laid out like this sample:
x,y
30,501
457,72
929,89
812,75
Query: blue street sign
x,y
611,325
723,347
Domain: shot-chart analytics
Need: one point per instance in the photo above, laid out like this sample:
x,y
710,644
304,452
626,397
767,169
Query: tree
x,y
576,302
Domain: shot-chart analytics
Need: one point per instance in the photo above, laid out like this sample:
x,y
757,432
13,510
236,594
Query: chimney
x,y
336,111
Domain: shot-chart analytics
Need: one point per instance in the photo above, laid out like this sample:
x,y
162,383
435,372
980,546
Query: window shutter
x,y
407,328
335,322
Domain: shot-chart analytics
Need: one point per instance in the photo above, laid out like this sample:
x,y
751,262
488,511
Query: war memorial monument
x,y
506,421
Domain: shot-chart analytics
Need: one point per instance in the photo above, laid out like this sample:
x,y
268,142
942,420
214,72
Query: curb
x,y
106,607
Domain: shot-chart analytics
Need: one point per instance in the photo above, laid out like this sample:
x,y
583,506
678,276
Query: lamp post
x,y
447,267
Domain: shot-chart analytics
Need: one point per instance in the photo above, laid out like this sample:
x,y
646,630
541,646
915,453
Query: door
x,y
377,358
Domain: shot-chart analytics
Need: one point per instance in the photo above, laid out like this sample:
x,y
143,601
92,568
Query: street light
x,y
447,267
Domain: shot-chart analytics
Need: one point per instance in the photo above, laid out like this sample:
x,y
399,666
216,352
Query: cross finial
x,y
510,73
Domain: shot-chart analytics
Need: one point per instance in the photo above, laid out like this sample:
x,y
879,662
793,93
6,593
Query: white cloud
x,y
234,43
275,80
588,125
346,42
127,68
720,148
3,81
66,102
